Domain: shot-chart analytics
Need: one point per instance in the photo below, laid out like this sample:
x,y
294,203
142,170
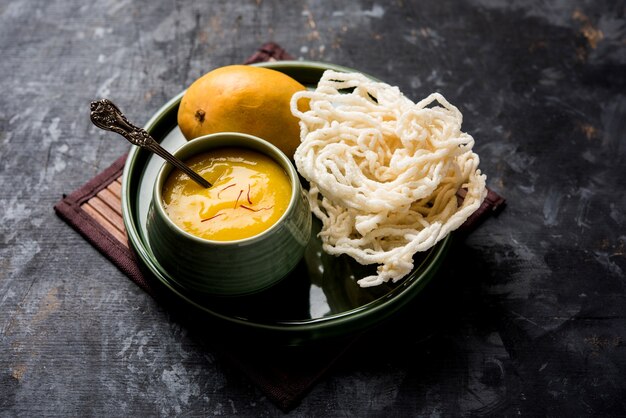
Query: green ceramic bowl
x,y
230,268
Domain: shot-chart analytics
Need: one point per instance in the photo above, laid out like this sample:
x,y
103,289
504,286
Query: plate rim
x,y
137,244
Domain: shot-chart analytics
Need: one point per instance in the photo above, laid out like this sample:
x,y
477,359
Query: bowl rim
x,y
213,141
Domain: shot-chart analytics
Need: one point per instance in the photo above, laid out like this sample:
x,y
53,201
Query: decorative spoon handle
x,y
106,115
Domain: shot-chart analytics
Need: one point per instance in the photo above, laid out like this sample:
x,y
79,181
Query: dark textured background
x,y
528,317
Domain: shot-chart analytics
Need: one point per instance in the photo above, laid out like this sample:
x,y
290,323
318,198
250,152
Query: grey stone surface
x,y
528,315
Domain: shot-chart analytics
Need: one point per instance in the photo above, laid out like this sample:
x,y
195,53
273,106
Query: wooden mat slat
x,y
106,211
115,187
105,223
111,200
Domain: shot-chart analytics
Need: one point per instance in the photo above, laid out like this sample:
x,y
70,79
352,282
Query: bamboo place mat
x,y
285,374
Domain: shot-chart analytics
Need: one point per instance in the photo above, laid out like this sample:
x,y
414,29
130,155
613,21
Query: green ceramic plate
x,y
320,298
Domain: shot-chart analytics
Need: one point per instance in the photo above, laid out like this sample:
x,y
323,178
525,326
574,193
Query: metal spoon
x,y
106,115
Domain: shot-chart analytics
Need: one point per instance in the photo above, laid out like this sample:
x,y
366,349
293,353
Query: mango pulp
x,y
250,193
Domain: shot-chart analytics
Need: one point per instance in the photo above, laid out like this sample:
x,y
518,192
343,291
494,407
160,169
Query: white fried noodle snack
x,y
384,171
